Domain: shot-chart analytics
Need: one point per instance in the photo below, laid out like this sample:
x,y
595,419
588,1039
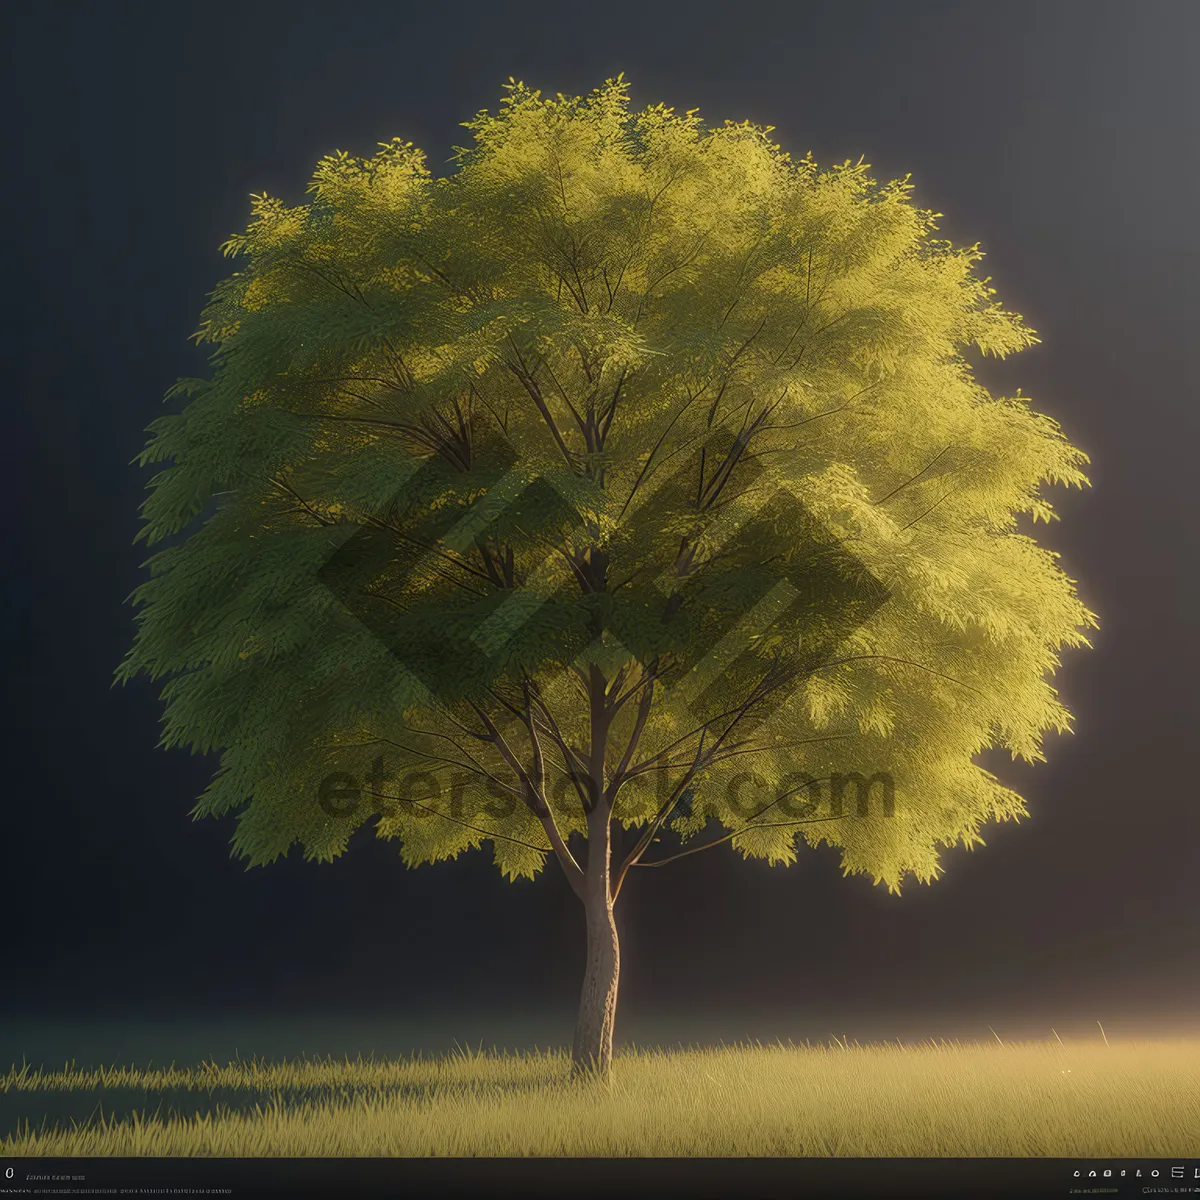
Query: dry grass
x,y
949,1099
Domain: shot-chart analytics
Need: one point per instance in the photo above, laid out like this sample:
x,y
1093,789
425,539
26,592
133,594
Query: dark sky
x,y
1060,135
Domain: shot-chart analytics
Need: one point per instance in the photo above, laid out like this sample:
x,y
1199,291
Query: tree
x,y
630,479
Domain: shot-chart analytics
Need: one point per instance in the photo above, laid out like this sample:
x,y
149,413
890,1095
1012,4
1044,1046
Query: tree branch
x,y
535,394
643,713
534,799
662,862
913,479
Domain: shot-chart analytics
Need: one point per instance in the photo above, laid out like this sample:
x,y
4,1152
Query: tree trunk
x,y
592,1051
591,1054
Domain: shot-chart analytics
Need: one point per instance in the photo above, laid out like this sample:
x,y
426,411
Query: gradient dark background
x,y
1060,135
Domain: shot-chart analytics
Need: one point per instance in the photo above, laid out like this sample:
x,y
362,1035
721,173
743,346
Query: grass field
x,y
946,1099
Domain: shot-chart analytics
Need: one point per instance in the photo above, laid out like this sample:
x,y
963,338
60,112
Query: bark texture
x,y
591,1054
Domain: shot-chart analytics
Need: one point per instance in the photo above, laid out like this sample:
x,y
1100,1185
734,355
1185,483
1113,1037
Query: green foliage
x,y
578,405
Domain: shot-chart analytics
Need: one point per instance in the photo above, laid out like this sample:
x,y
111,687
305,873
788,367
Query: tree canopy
x,y
626,416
